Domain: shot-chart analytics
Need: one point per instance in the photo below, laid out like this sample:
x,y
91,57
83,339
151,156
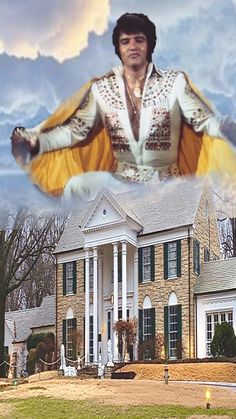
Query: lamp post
x,y
208,404
166,373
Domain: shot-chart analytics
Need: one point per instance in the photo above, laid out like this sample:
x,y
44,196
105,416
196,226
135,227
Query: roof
x,y
25,320
216,276
161,207
46,313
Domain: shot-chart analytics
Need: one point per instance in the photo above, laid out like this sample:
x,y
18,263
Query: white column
x,y
115,306
135,302
100,302
124,281
86,344
95,305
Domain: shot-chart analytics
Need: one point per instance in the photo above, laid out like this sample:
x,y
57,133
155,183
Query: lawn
x,y
48,408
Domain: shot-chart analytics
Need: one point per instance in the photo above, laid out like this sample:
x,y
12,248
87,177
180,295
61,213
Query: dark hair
x,y
133,23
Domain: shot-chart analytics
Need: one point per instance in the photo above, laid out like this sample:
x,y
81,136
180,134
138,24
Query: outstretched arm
x,y
68,133
198,113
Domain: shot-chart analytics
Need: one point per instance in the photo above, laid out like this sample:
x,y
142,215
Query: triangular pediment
x,y
105,211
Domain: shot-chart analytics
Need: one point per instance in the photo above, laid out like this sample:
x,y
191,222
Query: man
x,y
141,107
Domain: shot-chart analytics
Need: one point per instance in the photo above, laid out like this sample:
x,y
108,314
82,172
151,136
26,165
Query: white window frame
x,y
212,319
69,338
69,277
172,259
146,264
173,331
91,270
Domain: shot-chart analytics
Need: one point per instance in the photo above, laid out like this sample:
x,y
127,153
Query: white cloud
x,y
55,28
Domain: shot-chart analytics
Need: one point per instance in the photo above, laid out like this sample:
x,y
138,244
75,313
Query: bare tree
x,y
41,280
24,238
225,202
227,229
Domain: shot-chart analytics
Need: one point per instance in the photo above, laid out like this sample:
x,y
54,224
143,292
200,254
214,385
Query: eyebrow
x,y
127,37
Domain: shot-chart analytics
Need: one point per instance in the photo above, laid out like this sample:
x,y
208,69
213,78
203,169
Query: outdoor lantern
x,y
166,373
208,395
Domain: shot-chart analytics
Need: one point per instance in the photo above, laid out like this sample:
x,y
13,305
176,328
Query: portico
x,y
111,275
112,294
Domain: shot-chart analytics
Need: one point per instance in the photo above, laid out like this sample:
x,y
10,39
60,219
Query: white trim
x,y
147,303
163,237
69,314
173,300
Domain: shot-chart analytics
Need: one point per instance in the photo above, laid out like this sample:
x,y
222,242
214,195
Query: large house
x,y
154,256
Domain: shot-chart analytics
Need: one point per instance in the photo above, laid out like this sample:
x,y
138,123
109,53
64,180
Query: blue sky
x,y
48,49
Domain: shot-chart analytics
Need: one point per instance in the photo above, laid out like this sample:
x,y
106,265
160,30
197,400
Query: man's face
x,y
133,49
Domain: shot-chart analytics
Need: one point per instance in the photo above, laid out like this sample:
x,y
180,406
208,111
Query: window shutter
x,y
84,274
64,278
64,334
74,277
196,257
140,265
140,321
166,330
152,251
178,258
179,331
165,260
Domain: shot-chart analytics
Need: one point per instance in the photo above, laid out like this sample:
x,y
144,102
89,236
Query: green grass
x,y
46,408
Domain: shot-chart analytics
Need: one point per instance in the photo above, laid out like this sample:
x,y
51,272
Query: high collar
x,y
152,68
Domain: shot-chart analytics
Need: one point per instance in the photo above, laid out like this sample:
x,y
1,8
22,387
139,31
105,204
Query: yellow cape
x,y
198,154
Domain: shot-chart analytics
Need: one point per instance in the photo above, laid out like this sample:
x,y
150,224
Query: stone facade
x,y
73,301
206,232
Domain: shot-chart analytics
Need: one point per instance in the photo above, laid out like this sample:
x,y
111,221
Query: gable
x,y
104,213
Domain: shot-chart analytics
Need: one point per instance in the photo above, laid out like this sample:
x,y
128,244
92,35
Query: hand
x,y
24,146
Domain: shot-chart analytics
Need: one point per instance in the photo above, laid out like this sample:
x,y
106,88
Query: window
x,y
147,324
196,257
206,254
108,325
147,333
120,314
146,263
119,269
173,331
69,278
90,338
90,273
172,259
69,338
212,319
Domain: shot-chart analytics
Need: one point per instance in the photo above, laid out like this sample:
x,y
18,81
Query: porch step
x,y
109,371
88,371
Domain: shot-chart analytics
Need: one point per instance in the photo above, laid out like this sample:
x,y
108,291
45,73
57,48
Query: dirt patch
x,y
212,371
6,410
126,392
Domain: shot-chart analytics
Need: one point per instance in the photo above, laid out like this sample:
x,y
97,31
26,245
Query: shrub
x,y
40,346
224,341
33,340
31,361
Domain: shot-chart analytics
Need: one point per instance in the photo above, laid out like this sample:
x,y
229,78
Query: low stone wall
x,y
212,371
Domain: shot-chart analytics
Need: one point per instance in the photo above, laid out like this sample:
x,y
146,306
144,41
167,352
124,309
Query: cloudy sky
x,y
48,49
